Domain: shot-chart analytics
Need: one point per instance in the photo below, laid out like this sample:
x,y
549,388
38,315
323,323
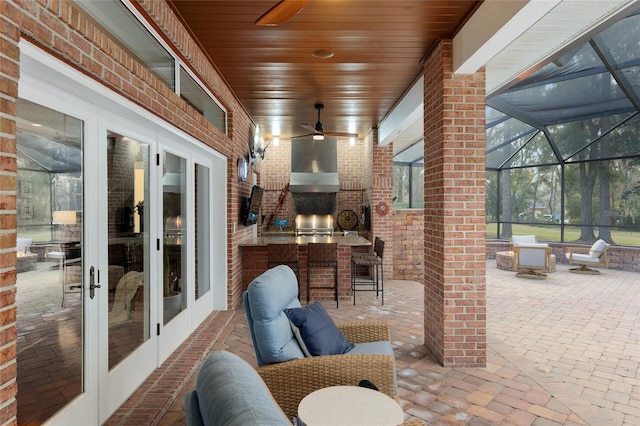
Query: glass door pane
x,y
203,231
128,286
50,306
174,216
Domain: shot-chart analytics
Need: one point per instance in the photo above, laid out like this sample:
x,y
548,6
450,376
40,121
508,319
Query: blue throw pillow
x,y
318,332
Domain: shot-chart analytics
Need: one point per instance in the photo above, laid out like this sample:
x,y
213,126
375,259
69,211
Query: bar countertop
x,y
302,241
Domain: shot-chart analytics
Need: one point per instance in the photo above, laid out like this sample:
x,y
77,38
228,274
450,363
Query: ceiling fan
x,y
281,12
318,132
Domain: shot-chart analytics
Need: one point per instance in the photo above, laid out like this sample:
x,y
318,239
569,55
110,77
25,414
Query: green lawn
x,y
571,233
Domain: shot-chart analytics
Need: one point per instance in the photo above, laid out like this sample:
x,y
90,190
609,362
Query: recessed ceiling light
x,y
322,54
36,124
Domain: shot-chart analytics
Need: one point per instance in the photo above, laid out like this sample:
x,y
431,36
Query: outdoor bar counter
x,y
255,262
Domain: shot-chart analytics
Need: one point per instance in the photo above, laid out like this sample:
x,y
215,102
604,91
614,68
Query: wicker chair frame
x,y
290,381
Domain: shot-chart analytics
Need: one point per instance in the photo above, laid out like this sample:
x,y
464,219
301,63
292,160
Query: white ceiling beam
x,y
403,115
493,27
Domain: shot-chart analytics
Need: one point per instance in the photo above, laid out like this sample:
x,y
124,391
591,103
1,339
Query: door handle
x,y
92,282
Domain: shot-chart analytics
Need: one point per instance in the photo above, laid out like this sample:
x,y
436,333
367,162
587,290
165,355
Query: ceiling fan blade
x,y
309,127
281,12
302,136
341,134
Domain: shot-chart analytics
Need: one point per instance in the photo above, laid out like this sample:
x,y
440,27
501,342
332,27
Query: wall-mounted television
x,y
251,206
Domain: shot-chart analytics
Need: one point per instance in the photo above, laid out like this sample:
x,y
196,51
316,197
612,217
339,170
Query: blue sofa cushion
x,y
265,300
229,392
319,333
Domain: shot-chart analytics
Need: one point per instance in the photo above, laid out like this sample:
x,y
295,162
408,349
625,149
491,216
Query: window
x,y
195,96
408,173
121,23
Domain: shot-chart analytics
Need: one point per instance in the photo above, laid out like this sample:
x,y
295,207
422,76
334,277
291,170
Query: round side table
x,y
349,405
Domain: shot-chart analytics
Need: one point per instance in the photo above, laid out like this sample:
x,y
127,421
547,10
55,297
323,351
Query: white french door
x,y
174,248
191,249
54,154
127,337
149,222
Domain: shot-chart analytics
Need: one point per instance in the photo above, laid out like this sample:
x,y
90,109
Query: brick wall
x,y
277,173
454,211
378,187
9,72
350,173
408,243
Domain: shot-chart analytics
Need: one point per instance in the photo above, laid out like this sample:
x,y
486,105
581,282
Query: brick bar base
x,y
255,260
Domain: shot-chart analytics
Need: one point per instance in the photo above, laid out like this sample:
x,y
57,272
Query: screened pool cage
x,y
563,145
49,173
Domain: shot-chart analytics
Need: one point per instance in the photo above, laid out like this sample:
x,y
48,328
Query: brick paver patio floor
x,y
565,350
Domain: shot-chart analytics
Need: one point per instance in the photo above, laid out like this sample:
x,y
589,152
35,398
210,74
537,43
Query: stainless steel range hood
x,y
314,165
314,182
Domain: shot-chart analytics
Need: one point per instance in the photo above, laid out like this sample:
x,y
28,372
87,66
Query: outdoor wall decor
x,y
26,189
26,209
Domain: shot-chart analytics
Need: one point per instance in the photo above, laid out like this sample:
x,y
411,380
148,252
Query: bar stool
x,y
322,255
284,254
371,252
374,261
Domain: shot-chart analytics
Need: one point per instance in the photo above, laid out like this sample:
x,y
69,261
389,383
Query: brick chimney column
x,y
382,196
454,212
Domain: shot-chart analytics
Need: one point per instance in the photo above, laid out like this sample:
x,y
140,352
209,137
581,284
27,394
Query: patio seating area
x,y
565,350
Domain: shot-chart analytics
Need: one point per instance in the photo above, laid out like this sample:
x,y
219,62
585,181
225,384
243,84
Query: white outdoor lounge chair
x,y
533,257
596,257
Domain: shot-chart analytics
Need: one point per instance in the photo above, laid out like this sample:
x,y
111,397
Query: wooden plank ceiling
x,y
377,50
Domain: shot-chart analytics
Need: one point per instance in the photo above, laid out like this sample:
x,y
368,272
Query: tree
x,y
401,185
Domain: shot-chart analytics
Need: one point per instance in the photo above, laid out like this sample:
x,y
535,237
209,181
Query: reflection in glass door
x,y
50,306
127,276
203,231
174,215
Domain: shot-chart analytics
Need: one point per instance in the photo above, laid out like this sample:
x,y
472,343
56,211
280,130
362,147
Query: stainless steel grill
x,y
314,225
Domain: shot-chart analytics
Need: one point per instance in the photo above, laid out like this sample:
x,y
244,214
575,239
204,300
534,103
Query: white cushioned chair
x,y
523,239
23,245
596,257
531,259
25,260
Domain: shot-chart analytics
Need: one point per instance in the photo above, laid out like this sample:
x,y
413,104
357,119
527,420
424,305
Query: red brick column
x,y
9,72
454,212
378,184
